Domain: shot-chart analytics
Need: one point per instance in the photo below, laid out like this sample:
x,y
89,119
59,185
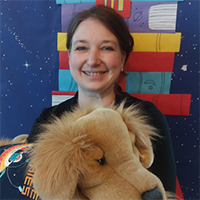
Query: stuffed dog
x,y
96,153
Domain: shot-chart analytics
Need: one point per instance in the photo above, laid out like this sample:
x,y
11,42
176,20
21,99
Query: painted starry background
x,y
29,73
185,130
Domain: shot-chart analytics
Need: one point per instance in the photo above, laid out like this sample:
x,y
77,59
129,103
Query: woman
x,y
99,44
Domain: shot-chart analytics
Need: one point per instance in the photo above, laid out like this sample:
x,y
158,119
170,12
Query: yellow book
x,y
62,41
156,42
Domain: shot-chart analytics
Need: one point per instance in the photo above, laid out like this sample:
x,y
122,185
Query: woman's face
x,y
95,57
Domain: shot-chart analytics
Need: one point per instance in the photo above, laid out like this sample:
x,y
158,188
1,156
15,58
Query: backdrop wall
x,y
31,67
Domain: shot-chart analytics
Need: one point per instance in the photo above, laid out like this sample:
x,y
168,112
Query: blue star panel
x,y
185,79
29,62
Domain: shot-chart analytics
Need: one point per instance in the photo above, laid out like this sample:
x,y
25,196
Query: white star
x,y
26,65
184,68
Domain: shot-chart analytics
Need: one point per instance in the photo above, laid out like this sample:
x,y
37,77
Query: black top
x,y
164,163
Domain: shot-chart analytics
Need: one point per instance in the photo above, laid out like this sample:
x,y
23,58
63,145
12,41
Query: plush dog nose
x,y
154,194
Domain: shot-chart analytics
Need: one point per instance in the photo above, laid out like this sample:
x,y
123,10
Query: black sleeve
x,y
36,129
45,116
164,163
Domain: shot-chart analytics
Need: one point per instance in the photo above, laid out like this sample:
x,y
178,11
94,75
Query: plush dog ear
x,y
140,131
20,139
58,160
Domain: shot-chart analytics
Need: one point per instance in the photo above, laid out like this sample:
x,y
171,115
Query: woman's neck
x,y
96,99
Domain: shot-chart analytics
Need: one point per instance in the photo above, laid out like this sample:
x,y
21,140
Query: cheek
x,y
115,63
114,68
76,64
73,62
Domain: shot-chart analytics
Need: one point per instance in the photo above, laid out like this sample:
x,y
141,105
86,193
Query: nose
x,y
93,58
154,194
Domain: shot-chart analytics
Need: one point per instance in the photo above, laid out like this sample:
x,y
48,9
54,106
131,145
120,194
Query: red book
x,y
150,62
123,7
168,104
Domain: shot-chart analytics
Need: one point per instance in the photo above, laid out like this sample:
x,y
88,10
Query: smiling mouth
x,y
93,73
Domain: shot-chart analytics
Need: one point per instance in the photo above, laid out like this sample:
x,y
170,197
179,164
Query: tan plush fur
x,y
18,139
95,153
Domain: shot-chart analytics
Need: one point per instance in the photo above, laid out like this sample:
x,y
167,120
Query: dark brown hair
x,y
108,17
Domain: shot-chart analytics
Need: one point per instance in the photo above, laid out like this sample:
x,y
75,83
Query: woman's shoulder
x,y
47,113
131,100
58,110
154,115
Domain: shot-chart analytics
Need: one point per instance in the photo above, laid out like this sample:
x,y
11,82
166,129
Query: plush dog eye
x,y
102,161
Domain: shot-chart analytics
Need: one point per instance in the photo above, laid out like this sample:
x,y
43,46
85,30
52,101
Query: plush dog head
x,y
99,153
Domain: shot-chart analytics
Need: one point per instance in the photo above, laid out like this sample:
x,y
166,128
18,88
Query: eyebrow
x,y
81,41
110,41
103,42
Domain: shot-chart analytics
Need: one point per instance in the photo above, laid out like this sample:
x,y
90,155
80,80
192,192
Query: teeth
x,y
93,73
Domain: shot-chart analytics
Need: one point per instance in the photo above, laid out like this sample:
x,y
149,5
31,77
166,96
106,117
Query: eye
x,y
107,48
102,161
81,48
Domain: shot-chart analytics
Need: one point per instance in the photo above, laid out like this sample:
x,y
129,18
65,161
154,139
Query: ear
x,y
140,132
57,158
144,146
20,139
